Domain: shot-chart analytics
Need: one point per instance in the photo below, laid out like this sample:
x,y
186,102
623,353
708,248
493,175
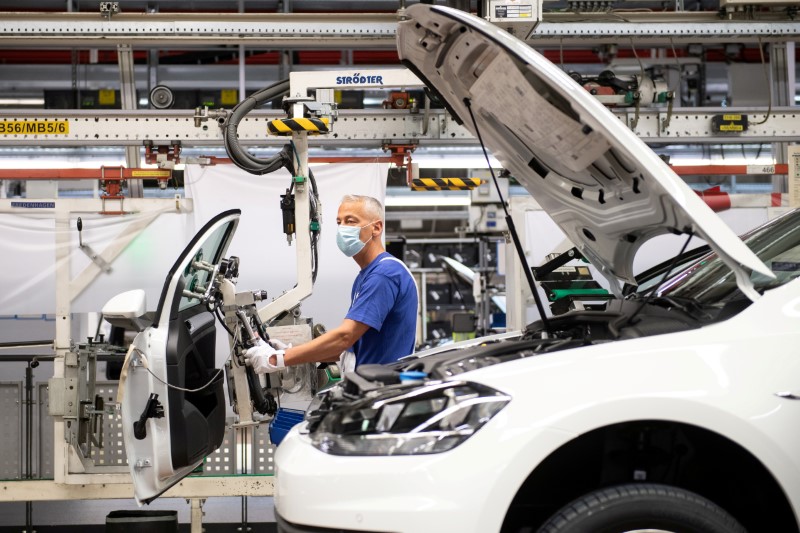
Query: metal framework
x,y
357,127
375,31
67,466
191,487
615,29
73,478
278,30
132,128
194,489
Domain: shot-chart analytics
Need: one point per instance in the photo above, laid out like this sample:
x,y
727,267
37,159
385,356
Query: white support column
x,y
242,77
63,334
517,291
242,84
197,514
782,87
302,290
127,90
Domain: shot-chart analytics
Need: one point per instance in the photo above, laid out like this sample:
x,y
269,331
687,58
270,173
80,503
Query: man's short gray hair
x,y
372,207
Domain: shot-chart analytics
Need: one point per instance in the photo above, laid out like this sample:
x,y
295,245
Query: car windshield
x,y
709,281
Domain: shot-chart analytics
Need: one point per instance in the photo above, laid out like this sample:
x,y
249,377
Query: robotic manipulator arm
x,y
253,396
237,312
301,219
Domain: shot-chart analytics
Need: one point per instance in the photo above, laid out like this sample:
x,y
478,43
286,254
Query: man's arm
x,y
327,346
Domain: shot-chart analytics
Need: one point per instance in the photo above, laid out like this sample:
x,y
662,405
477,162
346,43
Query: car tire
x,y
644,506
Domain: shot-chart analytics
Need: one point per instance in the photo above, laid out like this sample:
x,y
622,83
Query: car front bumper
x,y
465,489
287,527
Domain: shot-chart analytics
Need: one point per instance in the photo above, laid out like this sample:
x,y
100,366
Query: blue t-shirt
x,y
384,297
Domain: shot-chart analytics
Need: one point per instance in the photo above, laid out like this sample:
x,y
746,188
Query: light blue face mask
x,y
348,239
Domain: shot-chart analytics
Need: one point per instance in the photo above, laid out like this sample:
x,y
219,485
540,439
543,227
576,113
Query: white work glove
x,y
347,362
279,345
259,358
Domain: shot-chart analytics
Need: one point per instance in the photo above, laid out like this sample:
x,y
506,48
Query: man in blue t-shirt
x,y
380,326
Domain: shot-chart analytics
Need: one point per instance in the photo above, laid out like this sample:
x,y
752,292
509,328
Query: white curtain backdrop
x,y
27,243
267,261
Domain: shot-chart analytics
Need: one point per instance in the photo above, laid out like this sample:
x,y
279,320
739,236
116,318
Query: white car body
x,y
723,378
734,382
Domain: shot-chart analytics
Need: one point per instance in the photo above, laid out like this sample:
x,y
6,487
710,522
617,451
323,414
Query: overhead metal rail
x,y
731,170
371,31
275,30
647,34
370,128
419,184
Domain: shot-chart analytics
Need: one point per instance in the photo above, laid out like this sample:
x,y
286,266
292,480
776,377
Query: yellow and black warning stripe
x,y
445,184
287,126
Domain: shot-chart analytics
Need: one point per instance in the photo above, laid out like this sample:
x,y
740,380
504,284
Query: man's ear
x,y
379,226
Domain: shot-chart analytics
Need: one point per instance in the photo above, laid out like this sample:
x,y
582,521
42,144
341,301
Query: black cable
x,y
315,217
25,344
511,228
239,155
217,313
660,283
282,159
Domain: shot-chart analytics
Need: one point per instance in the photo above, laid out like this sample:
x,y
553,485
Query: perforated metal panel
x,y
11,434
113,451
244,451
248,446
111,454
44,437
223,460
263,451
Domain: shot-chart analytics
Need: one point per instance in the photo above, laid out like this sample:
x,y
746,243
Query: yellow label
x,y
34,127
150,173
731,117
106,97
229,97
731,127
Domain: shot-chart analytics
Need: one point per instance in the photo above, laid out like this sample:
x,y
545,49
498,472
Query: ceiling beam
x,y
356,127
367,30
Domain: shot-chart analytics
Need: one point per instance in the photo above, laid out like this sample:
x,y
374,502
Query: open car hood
x,y
606,189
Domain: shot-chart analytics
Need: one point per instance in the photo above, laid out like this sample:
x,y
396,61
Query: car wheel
x,y
642,507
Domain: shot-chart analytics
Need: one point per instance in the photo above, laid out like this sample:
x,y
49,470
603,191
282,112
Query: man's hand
x,y
279,345
264,358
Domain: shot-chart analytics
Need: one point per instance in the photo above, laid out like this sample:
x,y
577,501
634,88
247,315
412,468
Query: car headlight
x,y
431,418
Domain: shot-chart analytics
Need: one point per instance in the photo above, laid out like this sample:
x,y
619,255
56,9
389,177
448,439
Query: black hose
x,y
315,216
283,159
239,155
25,344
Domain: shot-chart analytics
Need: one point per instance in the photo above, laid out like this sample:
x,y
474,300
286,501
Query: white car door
x,y
173,406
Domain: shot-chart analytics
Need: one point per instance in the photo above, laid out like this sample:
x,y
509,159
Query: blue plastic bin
x,y
285,419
